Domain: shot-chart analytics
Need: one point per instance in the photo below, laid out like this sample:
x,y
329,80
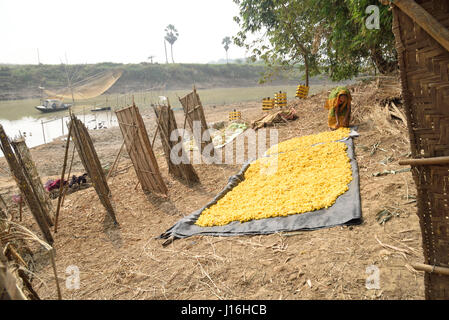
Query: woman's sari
x,y
333,106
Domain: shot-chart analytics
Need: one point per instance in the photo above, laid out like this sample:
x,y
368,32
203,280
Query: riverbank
x,y
23,81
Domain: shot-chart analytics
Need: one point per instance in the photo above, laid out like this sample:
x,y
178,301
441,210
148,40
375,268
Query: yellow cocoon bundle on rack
x,y
322,137
307,179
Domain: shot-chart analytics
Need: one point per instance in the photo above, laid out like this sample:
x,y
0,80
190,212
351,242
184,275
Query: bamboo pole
x,y
115,161
425,161
43,130
425,20
55,272
61,183
20,211
68,177
431,269
159,117
4,203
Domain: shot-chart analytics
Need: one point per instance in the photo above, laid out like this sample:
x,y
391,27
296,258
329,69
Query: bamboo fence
x,y
422,42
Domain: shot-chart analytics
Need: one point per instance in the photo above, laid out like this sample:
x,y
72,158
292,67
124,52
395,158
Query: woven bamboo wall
x,y
424,67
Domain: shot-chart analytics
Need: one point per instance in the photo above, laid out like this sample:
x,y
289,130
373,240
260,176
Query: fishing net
x,y
88,88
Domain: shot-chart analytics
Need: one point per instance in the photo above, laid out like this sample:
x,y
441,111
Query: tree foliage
x,y
287,37
171,35
226,42
318,35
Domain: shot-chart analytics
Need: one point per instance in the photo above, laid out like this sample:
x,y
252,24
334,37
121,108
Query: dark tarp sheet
x,y
346,210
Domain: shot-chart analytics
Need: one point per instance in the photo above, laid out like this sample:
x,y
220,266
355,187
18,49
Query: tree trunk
x,y
171,48
165,46
384,66
306,64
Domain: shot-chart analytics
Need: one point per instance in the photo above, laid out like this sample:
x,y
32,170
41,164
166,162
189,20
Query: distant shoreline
x,y
23,81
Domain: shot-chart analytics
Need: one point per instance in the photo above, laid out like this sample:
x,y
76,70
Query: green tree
x,y
226,42
350,46
287,40
171,35
317,35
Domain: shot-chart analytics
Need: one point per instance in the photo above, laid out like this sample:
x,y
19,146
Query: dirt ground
x,y
128,262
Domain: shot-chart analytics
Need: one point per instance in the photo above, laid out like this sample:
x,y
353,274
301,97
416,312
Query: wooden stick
x,y
20,210
4,203
61,183
53,264
68,177
400,114
425,161
430,269
116,160
425,20
43,130
157,129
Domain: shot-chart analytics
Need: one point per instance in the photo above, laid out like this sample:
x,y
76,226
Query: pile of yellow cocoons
x,y
306,179
322,137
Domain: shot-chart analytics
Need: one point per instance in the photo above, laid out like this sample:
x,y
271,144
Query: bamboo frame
x,y
194,111
140,150
166,124
29,169
425,20
92,165
25,187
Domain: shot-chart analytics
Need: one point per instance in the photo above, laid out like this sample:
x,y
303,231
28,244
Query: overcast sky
x,y
91,31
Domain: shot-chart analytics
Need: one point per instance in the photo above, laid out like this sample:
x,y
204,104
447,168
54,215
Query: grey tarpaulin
x,y
346,210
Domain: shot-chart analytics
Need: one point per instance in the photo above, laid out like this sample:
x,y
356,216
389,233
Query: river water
x,y
20,118
37,131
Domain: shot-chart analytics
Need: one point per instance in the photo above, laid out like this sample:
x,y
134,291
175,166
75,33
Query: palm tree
x,y
165,47
171,37
151,58
226,42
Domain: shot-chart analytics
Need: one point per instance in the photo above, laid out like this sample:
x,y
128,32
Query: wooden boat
x,y
101,109
52,105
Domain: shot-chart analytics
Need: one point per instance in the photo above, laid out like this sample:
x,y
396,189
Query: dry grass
x,y
129,263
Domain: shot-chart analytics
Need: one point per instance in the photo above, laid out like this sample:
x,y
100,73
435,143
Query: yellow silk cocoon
x,y
322,137
306,179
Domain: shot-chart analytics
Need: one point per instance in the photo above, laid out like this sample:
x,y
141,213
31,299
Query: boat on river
x,y
101,109
52,105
